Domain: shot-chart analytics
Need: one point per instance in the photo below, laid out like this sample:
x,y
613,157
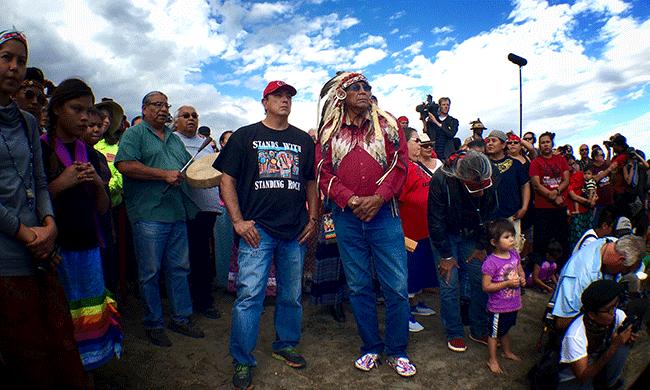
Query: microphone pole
x,y
515,59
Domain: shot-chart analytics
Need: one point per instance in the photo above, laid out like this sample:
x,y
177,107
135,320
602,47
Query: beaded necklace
x,y
29,192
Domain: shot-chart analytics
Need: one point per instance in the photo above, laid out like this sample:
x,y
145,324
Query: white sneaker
x,y
414,326
422,309
367,362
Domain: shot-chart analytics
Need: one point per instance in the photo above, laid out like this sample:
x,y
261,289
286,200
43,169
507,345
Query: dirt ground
x,y
330,349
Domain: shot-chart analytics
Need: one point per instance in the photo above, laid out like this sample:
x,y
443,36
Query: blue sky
x,y
587,77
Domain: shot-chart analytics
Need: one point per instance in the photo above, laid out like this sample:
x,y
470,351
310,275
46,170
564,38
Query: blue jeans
x,y
158,245
462,249
381,239
254,268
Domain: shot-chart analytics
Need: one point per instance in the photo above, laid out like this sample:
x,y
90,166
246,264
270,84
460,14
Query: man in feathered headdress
x,y
362,154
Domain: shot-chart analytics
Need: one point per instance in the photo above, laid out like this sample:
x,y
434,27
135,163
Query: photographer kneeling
x,y
596,344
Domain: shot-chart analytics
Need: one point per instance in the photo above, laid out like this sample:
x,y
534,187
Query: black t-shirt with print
x,y
272,168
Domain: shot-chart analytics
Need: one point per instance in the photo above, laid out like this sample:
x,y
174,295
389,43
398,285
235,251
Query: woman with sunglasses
x,y
413,203
37,342
31,94
515,149
428,160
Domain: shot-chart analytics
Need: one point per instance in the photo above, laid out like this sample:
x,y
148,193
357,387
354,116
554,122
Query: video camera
x,y
428,106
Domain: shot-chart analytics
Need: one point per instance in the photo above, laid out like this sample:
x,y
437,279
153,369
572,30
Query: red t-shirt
x,y
576,182
550,172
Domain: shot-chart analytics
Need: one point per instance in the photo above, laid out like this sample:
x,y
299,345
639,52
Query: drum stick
x,y
205,143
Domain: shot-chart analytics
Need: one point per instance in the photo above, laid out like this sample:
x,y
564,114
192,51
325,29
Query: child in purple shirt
x,y
503,276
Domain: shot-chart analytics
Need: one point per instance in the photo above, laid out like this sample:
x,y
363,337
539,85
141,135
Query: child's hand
x,y
73,175
522,282
513,283
89,174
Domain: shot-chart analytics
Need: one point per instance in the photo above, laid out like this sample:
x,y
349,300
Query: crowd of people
x,y
373,210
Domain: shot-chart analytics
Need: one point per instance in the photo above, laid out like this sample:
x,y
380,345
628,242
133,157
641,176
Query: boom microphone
x,y
515,59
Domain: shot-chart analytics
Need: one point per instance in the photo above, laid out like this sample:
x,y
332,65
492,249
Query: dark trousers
x,y
202,262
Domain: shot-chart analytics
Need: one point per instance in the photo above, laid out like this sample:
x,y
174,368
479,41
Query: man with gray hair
x,y
150,157
200,228
462,200
605,258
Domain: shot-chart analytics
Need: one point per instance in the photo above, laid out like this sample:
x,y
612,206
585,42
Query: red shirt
x,y
358,172
620,185
550,172
413,203
576,182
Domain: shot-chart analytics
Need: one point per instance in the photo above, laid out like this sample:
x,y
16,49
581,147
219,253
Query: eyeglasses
x,y
610,310
160,105
512,143
40,98
187,115
357,87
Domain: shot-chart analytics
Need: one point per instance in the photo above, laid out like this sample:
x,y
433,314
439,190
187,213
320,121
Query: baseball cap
x,y
620,140
623,227
275,85
204,130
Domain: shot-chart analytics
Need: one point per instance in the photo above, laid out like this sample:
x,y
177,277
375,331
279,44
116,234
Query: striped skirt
x,y
93,307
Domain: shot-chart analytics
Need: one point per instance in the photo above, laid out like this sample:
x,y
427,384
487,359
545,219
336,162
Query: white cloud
x,y
125,48
442,30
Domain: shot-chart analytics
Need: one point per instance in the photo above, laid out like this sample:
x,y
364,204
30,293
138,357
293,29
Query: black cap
x,y
599,293
620,141
204,130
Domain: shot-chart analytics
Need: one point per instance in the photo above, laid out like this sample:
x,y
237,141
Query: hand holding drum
x,y
205,143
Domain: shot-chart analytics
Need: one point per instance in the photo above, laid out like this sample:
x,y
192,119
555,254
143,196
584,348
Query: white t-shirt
x,y
574,343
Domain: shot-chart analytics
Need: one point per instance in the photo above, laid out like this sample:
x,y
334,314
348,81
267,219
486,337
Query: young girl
x,y
36,331
502,278
79,198
544,274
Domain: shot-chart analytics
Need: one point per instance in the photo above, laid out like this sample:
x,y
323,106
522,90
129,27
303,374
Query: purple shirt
x,y
507,299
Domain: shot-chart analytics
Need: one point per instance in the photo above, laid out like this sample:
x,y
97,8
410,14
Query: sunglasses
x,y
187,115
512,143
426,145
40,98
528,139
357,87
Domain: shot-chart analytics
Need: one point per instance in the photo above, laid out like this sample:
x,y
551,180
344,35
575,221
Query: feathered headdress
x,y
331,117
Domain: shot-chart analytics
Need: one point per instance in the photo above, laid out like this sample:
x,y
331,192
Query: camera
x,y
428,106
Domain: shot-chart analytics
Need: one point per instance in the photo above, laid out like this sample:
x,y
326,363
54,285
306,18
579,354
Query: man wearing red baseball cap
x,y
267,175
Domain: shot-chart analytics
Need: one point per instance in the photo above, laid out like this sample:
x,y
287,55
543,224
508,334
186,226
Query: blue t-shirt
x,y
512,177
